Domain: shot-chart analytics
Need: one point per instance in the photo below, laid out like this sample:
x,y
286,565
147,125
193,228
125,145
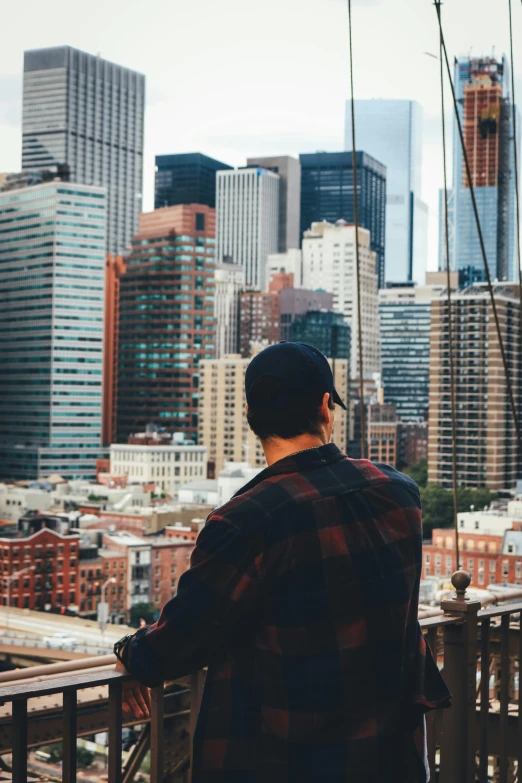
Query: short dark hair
x,y
275,411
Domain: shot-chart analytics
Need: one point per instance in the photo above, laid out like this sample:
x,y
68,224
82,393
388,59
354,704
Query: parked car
x,y
60,641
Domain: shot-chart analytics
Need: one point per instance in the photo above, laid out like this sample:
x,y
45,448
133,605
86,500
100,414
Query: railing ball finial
x,y
461,580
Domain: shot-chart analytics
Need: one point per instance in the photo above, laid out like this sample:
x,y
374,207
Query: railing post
x,y
458,742
197,682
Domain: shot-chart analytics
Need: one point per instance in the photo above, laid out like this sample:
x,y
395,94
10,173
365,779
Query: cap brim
x,y
338,400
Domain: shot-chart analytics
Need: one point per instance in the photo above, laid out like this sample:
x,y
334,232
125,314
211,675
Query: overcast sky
x,y
235,78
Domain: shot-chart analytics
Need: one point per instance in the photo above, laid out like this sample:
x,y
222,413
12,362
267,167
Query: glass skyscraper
x,y
326,331
391,131
52,273
405,315
87,113
186,178
327,194
482,86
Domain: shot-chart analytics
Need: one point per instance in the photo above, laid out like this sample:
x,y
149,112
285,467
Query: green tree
x,y
84,756
142,610
418,471
437,504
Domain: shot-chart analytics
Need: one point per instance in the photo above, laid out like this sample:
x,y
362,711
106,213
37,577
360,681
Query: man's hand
x,y
135,697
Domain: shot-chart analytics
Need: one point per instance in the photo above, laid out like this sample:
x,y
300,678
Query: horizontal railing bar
x,y
435,622
57,668
73,682
500,611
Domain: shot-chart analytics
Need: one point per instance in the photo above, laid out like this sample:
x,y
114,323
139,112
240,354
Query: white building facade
x,y
329,264
290,262
247,220
229,282
168,467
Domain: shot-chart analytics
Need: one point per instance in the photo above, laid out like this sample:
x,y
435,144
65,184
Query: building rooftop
x,y
208,485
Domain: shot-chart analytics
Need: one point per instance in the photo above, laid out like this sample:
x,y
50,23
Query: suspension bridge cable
x,y
481,239
515,161
453,396
357,257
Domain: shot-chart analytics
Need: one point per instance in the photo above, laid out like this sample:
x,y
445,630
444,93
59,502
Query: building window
x,y
438,559
492,566
471,564
427,571
427,557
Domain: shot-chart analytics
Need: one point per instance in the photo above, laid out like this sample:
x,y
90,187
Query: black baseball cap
x,y
299,366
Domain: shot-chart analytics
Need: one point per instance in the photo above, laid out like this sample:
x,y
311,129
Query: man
x,y
302,601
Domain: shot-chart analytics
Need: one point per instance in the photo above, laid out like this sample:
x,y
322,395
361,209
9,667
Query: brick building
x,y
170,559
53,562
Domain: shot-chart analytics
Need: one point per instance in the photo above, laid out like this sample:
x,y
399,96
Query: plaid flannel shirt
x,y
302,600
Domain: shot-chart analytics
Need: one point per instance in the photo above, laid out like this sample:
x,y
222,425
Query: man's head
x,y
290,394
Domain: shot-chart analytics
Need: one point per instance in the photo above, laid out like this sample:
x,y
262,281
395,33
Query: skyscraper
x,y
247,220
52,254
229,281
405,317
326,331
166,320
487,452
329,264
289,170
482,86
327,194
391,132
87,113
186,178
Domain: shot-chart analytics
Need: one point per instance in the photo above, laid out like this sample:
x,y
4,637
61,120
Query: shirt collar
x,y
297,463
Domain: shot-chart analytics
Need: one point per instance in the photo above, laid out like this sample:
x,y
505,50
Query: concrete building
x,y
52,283
166,320
289,171
202,492
168,467
391,132
329,265
487,453
223,428
232,477
290,263
327,195
482,85
229,282
87,113
247,215
114,269
383,434
186,178
405,318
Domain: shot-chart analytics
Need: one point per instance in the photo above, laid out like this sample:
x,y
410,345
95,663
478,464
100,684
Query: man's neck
x,y
278,448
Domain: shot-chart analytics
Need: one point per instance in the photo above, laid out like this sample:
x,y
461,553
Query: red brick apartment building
x,y
170,560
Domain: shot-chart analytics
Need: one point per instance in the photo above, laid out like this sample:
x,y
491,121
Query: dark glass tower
x,y
327,194
326,331
87,113
187,178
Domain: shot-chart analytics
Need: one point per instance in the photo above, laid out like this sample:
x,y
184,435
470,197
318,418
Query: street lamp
x,y
103,606
8,580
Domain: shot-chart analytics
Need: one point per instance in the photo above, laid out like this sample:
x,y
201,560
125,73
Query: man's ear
x,y
325,407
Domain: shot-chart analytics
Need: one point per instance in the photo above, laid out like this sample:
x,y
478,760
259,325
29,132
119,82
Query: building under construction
x,y
487,454
486,114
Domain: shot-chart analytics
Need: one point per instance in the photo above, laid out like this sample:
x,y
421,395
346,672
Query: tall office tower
x,y
259,320
482,86
383,433
405,316
327,195
166,320
391,131
247,220
229,281
326,331
289,170
329,264
186,178
294,303
223,426
114,269
291,263
52,251
487,453
87,113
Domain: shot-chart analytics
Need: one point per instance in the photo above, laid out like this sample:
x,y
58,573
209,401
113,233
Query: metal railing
x,y
478,739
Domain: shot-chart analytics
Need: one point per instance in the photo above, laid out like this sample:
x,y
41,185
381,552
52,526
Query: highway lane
x,y
86,632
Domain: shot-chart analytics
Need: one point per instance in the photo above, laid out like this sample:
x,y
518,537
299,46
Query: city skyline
x,y
275,117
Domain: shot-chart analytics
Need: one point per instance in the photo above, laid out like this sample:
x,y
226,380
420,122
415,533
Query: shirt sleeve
x,y
216,597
